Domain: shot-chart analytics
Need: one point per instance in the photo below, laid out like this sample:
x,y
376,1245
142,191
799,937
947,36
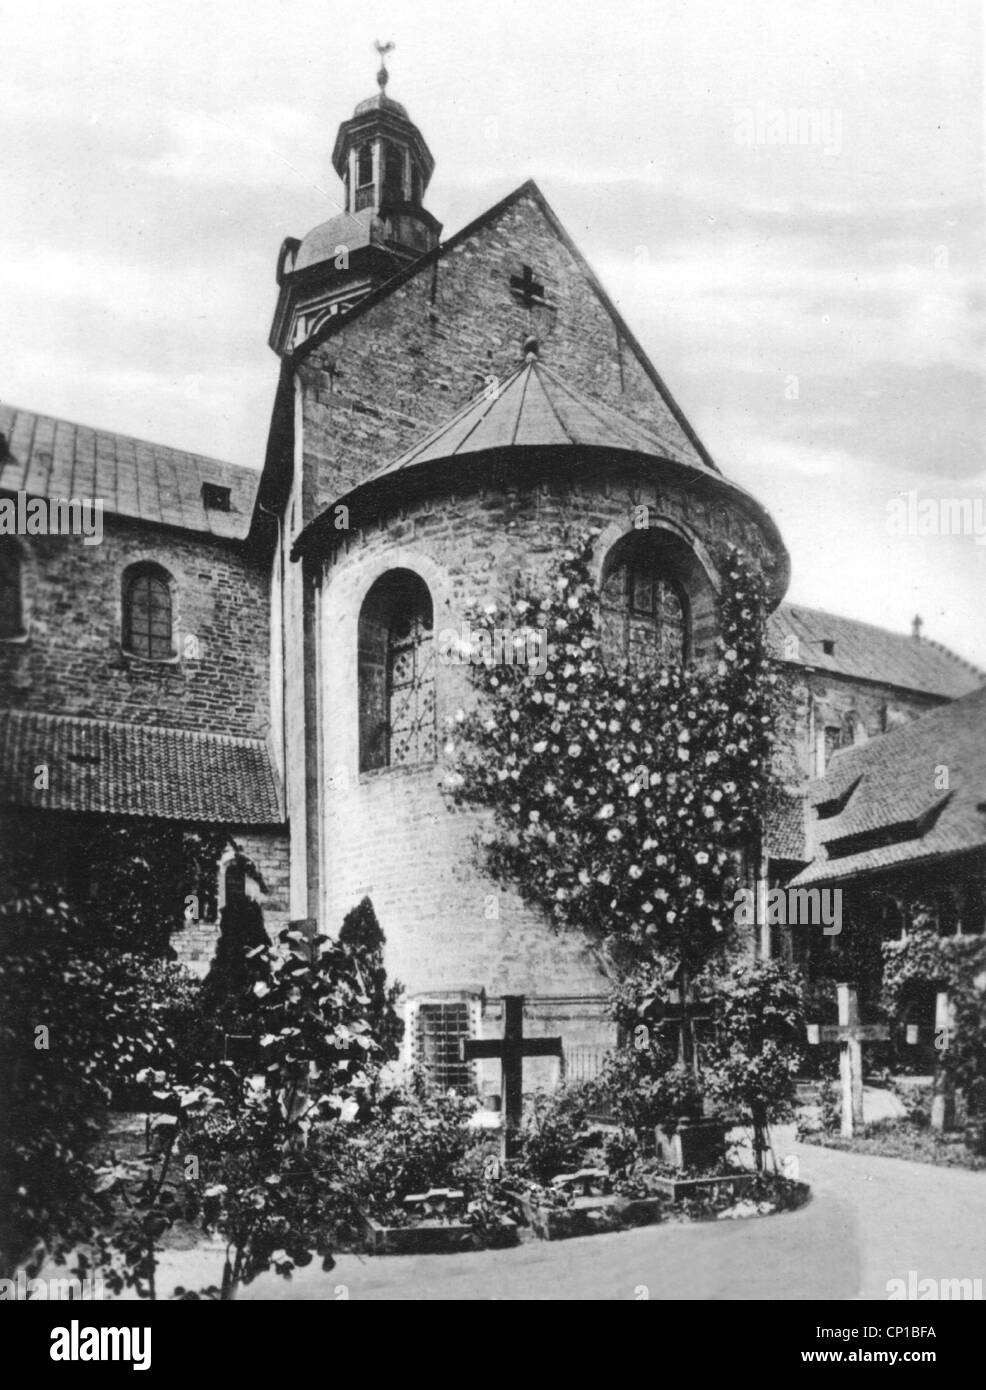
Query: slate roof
x,y
531,422
46,457
892,812
872,653
535,406
102,766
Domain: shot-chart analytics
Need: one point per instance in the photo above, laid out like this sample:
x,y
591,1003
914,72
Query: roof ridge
x,y
124,434
886,631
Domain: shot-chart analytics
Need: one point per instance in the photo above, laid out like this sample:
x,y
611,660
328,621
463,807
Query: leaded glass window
x,y
147,619
644,618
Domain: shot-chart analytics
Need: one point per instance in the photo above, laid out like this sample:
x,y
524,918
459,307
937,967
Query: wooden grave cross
x,y
510,1051
850,1034
943,1093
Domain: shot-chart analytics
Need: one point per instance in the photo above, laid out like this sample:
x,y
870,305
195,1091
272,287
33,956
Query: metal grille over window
x,y
396,674
438,1030
147,619
643,614
411,691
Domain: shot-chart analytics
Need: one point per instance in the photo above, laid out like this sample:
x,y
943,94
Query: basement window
x,y
436,1030
215,498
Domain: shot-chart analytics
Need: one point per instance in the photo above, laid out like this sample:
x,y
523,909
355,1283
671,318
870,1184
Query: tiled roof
x,y
150,482
870,653
900,811
785,829
100,766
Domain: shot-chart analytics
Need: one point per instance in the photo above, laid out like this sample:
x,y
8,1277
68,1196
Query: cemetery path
x,y
869,1220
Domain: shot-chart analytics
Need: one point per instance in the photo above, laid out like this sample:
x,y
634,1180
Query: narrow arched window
x,y
396,674
644,608
393,174
11,591
364,165
147,615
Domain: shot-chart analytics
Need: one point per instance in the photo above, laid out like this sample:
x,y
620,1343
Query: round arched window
x,y
147,615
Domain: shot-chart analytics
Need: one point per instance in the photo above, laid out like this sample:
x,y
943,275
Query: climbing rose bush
x,y
621,795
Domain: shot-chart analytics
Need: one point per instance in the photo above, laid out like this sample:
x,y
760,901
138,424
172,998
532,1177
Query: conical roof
x,y
531,424
534,407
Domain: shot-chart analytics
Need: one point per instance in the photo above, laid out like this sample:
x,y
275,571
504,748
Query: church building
x,y
447,414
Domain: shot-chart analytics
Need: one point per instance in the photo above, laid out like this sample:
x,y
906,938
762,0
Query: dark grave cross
x,y
850,1034
683,1015
510,1051
525,288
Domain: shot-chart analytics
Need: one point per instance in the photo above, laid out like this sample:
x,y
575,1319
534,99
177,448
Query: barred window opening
x,y
396,674
439,1029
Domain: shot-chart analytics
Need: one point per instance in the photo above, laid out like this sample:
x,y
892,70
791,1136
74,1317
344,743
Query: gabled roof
x,y
101,766
870,653
529,189
900,810
46,457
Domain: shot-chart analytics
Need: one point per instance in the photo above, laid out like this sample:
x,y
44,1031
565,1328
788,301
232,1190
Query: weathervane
x,y
383,49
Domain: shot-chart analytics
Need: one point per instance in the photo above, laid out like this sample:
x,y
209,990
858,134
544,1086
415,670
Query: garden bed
x,y
903,1139
586,1216
426,1237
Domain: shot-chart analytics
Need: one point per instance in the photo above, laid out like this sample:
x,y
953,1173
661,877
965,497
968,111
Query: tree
x,y
751,1064
622,796
363,941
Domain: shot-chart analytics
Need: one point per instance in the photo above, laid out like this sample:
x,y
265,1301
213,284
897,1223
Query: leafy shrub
x,y
556,1132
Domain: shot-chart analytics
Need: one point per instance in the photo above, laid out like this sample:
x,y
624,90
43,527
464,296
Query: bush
x,y
556,1131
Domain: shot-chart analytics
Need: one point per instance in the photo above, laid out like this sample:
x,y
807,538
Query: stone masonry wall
x,y
71,661
392,834
411,361
195,942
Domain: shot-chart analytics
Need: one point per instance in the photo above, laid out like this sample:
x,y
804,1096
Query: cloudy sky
x,y
811,290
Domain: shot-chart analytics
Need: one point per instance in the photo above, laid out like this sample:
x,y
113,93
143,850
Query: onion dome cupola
x,y
385,167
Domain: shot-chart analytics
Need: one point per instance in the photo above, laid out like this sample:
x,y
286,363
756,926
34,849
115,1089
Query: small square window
x,y
215,498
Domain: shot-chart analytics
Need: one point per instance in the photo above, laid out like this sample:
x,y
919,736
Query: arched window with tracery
x,y
147,613
396,674
11,590
644,607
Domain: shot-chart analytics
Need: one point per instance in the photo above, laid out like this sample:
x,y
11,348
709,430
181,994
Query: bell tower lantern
x,y
385,167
